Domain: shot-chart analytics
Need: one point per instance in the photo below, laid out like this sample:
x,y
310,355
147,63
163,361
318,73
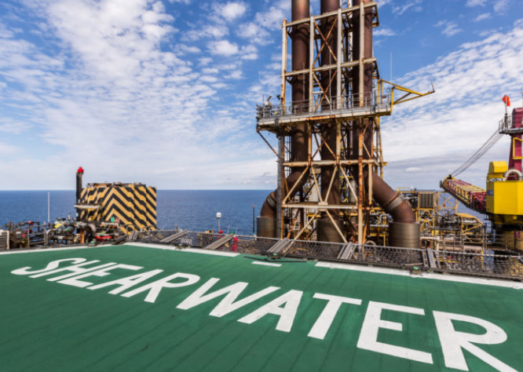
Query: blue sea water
x,y
191,210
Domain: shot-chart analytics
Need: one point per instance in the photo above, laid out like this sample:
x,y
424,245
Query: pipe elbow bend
x,y
513,171
400,210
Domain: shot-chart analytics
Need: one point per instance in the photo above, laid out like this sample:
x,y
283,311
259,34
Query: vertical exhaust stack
x,y
404,231
326,229
79,176
299,147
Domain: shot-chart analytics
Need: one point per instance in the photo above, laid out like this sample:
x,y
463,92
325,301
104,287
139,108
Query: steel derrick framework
x,y
299,211
296,214
341,100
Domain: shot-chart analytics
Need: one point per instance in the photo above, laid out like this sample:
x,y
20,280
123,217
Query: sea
x,y
193,210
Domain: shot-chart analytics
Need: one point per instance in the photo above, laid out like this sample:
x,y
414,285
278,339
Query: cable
x,y
486,147
478,154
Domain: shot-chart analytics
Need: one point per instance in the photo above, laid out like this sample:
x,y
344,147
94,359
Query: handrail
x,y
326,105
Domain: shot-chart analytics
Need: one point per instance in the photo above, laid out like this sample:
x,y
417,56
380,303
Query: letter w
x,y
229,303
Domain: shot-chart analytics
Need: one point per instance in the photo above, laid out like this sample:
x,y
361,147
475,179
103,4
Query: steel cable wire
x,y
496,136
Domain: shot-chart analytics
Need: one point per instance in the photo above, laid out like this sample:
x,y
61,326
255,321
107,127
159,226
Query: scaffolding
x,y
347,109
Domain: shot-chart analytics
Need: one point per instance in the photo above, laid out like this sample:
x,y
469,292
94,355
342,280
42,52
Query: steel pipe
x,y
266,227
299,145
390,200
405,235
330,182
399,209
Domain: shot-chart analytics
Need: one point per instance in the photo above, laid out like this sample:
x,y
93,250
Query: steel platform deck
x,y
269,123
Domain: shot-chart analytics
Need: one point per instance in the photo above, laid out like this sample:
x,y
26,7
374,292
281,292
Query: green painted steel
x,y
52,326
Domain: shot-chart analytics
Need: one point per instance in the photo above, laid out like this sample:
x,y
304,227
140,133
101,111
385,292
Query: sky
x,y
164,91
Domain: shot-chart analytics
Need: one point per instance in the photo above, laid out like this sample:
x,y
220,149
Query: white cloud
x,y
449,28
236,74
384,2
189,49
232,10
273,17
208,79
223,48
210,70
384,31
216,31
414,4
6,149
448,126
205,61
102,91
249,52
472,3
8,125
413,170
502,6
254,33
257,31
482,17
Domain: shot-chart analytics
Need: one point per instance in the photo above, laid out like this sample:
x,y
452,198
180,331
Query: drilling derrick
x,y
330,162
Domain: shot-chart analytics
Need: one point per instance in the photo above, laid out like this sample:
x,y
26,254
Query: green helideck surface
x,y
49,326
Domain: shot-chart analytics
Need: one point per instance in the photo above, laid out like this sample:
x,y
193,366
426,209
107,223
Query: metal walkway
x,y
270,116
506,266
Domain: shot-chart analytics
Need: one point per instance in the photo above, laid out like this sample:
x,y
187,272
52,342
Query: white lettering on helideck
x,y
228,304
371,325
73,270
285,307
452,341
50,266
156,287
321,327
290,302
74,281
127,282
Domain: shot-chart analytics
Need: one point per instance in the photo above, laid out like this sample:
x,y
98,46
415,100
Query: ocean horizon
x,y
186,209
193,210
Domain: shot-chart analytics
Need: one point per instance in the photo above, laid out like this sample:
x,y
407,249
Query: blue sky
x,y
164,92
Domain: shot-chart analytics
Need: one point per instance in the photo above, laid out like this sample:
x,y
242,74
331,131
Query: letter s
x,y
50,266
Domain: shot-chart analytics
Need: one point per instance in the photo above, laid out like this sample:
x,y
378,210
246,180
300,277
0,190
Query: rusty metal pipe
x,y
391,201
299,144
326,229
328,130
367,49
399,209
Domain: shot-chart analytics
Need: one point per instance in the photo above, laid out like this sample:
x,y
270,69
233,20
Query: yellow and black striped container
x,y
133,204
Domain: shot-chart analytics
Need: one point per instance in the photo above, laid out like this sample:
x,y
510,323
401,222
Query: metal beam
x,y
174,236
312,205
331,67
217,244
334,13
